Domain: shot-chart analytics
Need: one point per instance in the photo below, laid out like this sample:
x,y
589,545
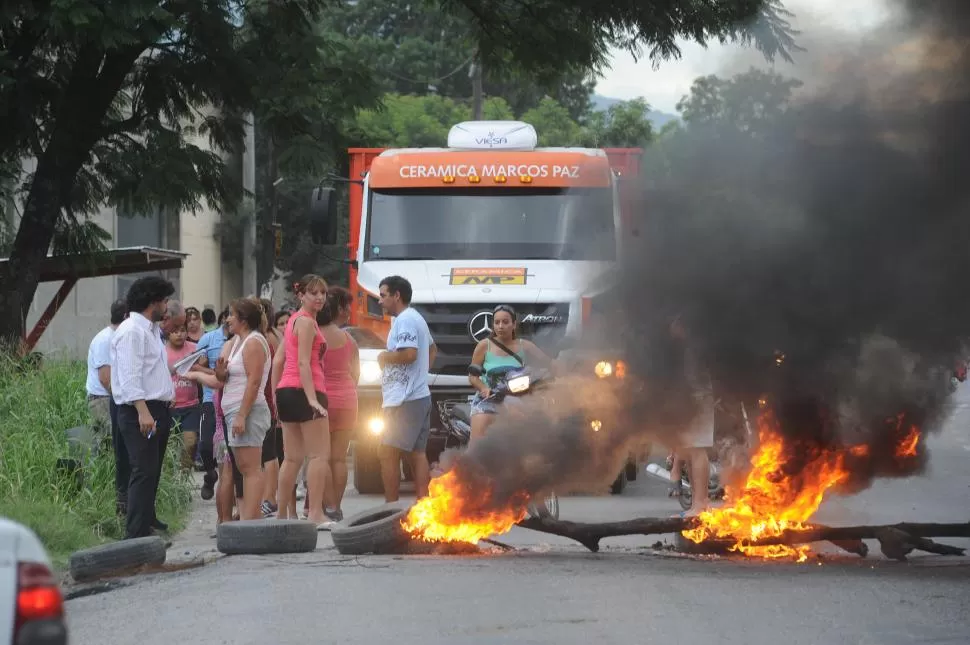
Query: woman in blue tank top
x,y
493,363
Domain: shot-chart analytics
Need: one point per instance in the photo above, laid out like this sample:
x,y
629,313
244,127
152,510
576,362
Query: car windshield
x,y
492,224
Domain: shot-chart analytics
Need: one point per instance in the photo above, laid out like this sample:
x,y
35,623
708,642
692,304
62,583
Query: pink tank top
x,y
291,365
341,389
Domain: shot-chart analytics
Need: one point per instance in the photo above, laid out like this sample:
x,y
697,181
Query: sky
x,y
662,88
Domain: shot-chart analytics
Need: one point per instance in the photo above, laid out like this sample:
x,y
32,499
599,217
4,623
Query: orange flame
x,y
782,491
451,513
907,447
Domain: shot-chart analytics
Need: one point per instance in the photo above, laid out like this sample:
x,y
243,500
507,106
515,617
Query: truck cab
x,y
490,219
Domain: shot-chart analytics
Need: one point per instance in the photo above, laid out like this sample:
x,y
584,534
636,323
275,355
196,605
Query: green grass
x,y
36,406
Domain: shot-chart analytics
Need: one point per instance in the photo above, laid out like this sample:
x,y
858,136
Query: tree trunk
x,y
896,540
95,82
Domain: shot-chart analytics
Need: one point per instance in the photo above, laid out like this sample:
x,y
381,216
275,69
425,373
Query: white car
x,y
31,604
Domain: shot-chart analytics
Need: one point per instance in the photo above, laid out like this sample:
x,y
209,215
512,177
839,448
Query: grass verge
x,y
37,406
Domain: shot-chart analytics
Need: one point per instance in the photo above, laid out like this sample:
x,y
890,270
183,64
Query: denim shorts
x,y
480,406
257,425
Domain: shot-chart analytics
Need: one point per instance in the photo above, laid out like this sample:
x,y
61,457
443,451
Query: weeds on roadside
x,y
38,403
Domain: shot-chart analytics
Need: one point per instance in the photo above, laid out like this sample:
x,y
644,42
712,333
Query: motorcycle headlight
x,y
370,372
519,384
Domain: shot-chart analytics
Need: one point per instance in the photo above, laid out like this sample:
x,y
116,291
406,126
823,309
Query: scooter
x,y
455,416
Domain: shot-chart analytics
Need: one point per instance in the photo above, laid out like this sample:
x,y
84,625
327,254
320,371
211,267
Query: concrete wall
x,y
203,280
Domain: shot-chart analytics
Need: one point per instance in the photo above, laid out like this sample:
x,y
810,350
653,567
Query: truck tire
x,y
260,537
367,469
377,531
116,557
619,484
631,469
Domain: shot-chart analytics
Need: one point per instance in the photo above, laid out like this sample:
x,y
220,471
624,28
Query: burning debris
x,y
818,261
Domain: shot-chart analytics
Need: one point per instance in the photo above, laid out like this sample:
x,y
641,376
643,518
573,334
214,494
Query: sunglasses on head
x,y
507,309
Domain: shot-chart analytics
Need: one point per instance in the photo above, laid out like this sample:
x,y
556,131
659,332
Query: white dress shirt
x,y
99,355
139,365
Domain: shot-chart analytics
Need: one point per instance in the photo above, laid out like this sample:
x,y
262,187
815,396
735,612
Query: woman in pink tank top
x,y
301,403
341,367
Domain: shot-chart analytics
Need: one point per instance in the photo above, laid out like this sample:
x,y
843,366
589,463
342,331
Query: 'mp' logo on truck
x,y
488,275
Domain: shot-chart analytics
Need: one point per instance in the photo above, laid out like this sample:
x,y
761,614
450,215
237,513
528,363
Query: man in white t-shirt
x,y
99,373
407,398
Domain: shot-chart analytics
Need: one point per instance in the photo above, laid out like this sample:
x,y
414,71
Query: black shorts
x,y
273,445
292,406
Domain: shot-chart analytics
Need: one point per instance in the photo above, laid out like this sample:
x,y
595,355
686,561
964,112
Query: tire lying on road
x,y
260,537
116,557
377,531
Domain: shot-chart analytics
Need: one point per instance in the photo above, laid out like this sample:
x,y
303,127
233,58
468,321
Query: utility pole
x,y
249,282
477,94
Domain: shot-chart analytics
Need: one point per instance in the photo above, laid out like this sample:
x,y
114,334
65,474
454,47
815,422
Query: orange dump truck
x,y
491,218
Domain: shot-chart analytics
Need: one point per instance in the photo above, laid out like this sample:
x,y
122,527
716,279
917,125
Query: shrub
x,y
37,404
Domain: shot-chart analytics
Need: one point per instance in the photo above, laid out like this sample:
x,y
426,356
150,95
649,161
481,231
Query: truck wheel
x,y
377,531
367,469
619,484
631,469
259,537
116,557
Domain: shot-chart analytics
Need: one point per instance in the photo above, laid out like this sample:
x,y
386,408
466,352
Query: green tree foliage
x,y
423,121
416,48
554,33
141,103
750,102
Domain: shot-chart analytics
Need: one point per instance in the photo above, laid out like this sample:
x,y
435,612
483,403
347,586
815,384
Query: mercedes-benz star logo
x,y
480,326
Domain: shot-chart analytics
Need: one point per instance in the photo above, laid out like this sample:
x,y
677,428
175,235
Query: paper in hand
x,y
182,366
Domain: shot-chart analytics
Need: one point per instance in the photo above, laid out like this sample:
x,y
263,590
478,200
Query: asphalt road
x,y
552,591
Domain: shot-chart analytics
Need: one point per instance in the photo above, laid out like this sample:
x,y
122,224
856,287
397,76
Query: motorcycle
x,y
739,438
456,418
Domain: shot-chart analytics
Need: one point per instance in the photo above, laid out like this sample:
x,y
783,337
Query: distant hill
x,y
659,119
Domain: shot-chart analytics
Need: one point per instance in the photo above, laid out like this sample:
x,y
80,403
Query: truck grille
x,y
449,324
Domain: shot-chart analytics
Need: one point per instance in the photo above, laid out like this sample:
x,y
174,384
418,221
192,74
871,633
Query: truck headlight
x,y
376,425
519,383
370,372
606,369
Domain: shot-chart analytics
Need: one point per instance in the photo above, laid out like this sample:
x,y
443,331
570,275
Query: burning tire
x,y
259,537
116,557
377,531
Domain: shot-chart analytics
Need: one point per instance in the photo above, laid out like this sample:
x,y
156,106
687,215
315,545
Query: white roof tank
x,y
493,135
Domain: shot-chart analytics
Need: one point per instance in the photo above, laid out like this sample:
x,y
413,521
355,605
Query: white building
x,y
204,278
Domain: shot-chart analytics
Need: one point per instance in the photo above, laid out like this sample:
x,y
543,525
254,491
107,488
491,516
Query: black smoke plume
x,y
818,260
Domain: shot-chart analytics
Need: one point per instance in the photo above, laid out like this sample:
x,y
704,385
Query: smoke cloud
x,y
818,261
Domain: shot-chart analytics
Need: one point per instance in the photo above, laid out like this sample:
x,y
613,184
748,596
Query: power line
x,y
432,81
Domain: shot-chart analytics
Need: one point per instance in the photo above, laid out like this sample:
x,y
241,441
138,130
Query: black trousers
x,y
122,467
145,457
206,437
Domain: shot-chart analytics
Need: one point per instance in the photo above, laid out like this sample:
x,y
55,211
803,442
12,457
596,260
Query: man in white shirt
x,y
142,388
99,373
404,387
101,404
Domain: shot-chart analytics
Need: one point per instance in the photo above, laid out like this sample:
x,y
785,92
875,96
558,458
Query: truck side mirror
x,y
323,216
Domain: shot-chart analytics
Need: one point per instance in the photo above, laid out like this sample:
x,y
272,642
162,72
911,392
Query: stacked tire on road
x,y
263,537
116,558
376,531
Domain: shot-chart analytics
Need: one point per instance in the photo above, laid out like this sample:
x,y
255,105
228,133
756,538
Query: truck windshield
x,y
491,224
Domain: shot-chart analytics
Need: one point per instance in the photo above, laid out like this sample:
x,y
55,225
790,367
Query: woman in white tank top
x,y
242,377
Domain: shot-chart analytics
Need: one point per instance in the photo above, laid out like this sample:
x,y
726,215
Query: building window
x,y
160,229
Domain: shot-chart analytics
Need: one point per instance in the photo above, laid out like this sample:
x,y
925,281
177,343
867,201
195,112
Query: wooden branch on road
x,y
896,540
